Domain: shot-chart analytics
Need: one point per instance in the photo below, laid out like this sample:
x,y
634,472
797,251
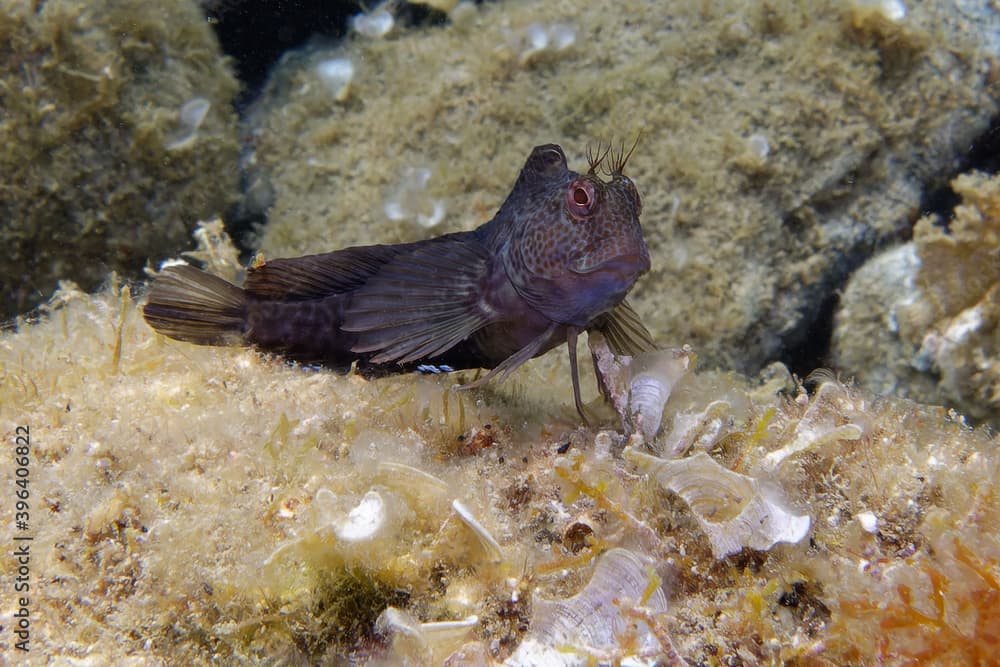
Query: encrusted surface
x,y
118,134
921,320
194,504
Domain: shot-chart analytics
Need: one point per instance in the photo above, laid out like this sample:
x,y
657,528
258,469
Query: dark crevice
x,y
257,33
813,351
983,155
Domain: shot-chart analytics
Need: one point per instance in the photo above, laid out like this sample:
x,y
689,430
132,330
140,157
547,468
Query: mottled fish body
x,y
557,259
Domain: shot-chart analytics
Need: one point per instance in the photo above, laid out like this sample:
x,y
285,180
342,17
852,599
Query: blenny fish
x,y
557,259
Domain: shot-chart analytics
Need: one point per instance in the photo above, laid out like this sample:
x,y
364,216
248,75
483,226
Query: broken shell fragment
x,y
817,425
567,633
415,481
416,643
350,534
490,544
734,510
701,430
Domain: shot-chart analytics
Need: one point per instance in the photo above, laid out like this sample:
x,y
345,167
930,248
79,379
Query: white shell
x,y
194,111
893,10
758,146
696,429
412,480
411,201
191,115
734,510
647,397
416,643
591,620
376,24
654,376
364,522
539,39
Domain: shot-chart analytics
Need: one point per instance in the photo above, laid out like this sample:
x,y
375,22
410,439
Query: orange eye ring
x,y
581,198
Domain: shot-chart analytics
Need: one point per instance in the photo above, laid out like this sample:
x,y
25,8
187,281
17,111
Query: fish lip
x,y
630,264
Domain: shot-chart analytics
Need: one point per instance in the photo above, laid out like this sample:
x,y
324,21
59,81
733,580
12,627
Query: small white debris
x,y
364,521
336,74
868,521
378,23
758,145
562,36
540,39
411,201
894,10
194,111
487,540
190,117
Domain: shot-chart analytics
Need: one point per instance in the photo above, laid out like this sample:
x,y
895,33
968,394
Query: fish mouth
x,y
626,266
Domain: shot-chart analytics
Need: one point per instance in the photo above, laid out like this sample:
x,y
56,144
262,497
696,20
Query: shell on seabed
x,y
416,643
593,620
654,376
734,510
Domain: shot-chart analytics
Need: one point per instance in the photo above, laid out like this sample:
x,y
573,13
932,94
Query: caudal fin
x,y
197,307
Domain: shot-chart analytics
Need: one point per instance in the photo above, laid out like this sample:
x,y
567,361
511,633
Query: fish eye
x,y
580,198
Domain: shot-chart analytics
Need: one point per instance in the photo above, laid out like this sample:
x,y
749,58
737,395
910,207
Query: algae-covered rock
x,y
117,135
921,320
777,139
196,505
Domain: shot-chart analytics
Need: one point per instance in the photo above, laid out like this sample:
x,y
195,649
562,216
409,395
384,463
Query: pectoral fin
x,y
625,332
423,302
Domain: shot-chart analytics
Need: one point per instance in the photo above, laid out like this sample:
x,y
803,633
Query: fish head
x,y
575,247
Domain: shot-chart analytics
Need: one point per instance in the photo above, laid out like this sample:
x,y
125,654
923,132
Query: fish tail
x,y
197,307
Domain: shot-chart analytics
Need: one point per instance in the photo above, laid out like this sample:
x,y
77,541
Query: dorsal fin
x,y
316,276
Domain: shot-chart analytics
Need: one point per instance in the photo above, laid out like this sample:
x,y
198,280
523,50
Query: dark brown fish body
x,y
557,259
